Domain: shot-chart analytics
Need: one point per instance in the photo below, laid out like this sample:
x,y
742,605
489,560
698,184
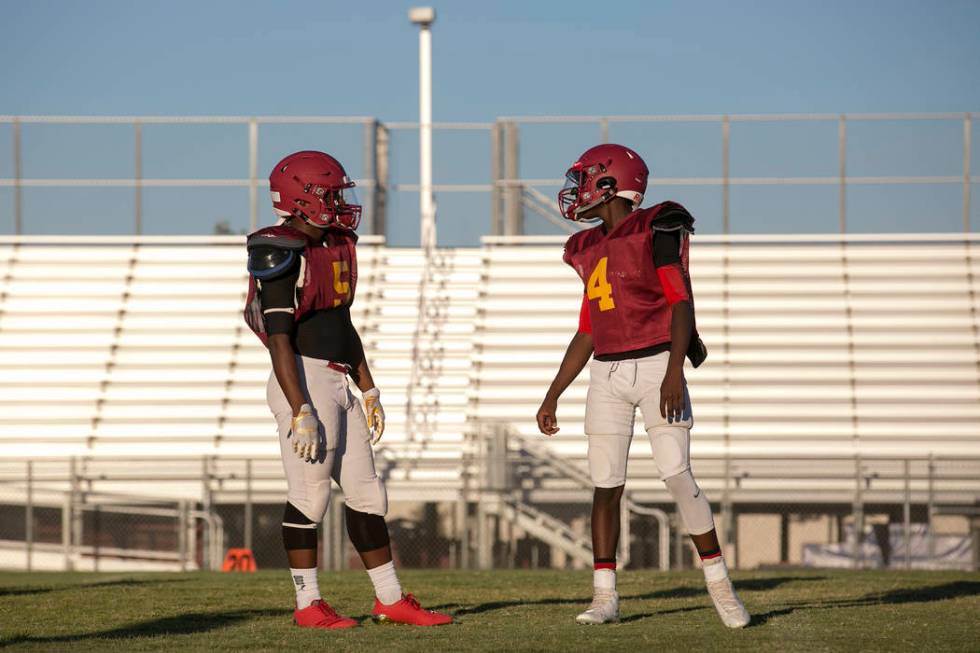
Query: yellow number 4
x,y
599,288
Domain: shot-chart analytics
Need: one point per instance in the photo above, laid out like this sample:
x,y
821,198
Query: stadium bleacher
x,y
820,347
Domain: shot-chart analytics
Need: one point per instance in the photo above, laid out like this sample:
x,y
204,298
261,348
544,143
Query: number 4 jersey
x,y
628,304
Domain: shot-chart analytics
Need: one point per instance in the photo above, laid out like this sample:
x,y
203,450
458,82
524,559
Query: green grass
x,y
495,611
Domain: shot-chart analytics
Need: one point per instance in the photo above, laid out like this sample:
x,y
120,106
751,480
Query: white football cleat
x,y
604,609
733,614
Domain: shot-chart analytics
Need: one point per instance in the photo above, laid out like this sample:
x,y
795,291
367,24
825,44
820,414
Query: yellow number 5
x,y
599,288
340,287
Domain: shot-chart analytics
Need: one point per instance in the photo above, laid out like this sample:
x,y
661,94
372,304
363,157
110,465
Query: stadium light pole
x,y
424,17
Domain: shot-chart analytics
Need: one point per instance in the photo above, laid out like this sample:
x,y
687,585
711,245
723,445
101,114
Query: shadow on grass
x,y
953,590
682,592
182,624
126,582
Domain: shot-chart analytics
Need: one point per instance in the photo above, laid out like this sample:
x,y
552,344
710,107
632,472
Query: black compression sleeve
x,y
666,248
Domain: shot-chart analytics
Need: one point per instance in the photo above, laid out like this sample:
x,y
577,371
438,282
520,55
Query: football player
x,y
637,319
302,278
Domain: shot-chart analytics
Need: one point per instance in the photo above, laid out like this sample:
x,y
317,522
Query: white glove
x,y
375,413
304,433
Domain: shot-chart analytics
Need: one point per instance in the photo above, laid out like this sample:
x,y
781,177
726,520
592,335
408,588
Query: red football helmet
x,y
314,187
600,174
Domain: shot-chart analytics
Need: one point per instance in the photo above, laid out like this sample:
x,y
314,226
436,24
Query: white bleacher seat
x,y
823,348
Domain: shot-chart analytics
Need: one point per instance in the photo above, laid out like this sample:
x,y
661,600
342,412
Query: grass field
x,y
496,610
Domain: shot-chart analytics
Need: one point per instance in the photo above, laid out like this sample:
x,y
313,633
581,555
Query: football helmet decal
x,y
600,174
314,187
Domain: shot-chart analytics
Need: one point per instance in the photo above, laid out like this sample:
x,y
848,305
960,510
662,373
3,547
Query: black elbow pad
x,y
266,262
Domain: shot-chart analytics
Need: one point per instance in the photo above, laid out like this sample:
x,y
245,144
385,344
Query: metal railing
x,y
510,193
198,486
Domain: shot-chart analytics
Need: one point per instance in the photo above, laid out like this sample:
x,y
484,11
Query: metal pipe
x,y
907,515
513,207
842,171
66,529
182,534
967,148
138,176
424,17
930,509
603,130
18,206
253,174
29,515
496,220
369,170
856,545
725,175
248,504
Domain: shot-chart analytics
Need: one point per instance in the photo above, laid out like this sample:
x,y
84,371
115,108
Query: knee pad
x,y
607,460
298,530
367,532
691,503
313,504
671,447
370,497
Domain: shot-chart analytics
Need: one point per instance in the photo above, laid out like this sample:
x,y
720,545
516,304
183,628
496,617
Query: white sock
x,y
307,589
386,585
604,579
714,569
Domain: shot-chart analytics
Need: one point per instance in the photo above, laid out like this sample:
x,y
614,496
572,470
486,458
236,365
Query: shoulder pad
x,y
671,216
345,235
268,262
278,236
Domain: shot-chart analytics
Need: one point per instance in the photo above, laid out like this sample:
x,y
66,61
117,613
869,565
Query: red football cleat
x,y
408,611
319,614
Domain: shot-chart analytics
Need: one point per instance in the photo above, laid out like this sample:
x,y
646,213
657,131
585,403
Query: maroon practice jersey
x,y
628,306
327,277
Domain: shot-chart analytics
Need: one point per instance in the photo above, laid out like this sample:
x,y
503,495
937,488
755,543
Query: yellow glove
x,y
375,413
304,433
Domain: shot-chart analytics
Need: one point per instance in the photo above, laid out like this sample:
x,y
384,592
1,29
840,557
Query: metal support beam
x,y
930,511
496,174
842,172
373,159
907,515
513,206
18,205
253,174
29,516
967,147
603,130
248,505
857,549
138,176
726,130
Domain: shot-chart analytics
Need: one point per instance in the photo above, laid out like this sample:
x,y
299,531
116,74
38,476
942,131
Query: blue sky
x,y
491,59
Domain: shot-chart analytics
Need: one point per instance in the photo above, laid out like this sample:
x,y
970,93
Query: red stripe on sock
x,y
710,556
605,565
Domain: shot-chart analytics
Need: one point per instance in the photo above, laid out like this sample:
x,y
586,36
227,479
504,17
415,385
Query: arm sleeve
x,y
278,298
667,261
584,320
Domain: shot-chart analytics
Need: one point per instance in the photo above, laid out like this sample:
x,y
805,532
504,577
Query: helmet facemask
x,y
579,193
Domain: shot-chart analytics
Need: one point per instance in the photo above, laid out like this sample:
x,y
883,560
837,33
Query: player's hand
x,y
672,402
304,433
375,414
547,422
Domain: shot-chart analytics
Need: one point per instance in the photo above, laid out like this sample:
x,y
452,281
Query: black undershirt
x,y
327,334
666,251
